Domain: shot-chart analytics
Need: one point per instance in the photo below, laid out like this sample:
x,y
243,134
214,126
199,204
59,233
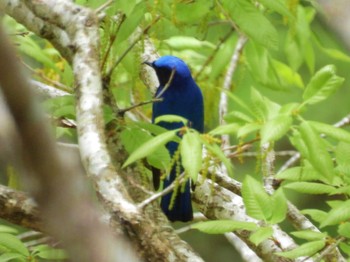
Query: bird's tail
x,y
181,210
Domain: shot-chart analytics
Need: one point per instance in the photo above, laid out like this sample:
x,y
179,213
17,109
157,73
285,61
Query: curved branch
x,y
18,208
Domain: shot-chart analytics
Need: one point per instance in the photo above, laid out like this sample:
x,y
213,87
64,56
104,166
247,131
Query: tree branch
x,y
18,208
223,106
53,181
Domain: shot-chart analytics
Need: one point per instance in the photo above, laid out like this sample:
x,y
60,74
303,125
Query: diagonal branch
x,y
18,208
223,104
53,183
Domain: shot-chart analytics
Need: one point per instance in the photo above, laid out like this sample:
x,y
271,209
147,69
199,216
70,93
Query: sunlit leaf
x,y
337,215
225,129
223,226
318,155
331,131
275,128
13,244
309,235
261,234
171,119
150,146
307,249
324,83
191,154
256,200
310,188
247,16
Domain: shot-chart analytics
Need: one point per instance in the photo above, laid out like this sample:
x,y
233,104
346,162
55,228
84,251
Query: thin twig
x,y
182,230
124,110
283,153
144,31
239,151
103,6
235,147
156,99
113,37
58,85
227,15
211,57
223,104
20,34
268,166
40,241
242,248
29,234
167,84
163,192
329,249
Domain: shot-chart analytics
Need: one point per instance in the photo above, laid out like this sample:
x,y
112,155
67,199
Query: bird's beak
x,y
148,63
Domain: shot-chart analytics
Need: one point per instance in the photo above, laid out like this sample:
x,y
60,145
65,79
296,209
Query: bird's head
x,y
165,65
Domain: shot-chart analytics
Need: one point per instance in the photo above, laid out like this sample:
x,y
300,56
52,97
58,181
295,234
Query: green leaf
x,y
309,235
237,116
315,214
13,244
310,188
8,229
259,105
223,226
224,129
151,128
264,108
299,143
279,207
337,215
216,150
275,128
133,137
307,249
342,154
306,173
331,131
191,154
324,83
47,252
278,6
247,16
256,200
131,22
331,52
261,234
336,54
150,146
247,129
287,76
238,101
55,254
160,158
171,119
192,11
293,51
345,248
317,153
344,230
188,42
31,48
12,257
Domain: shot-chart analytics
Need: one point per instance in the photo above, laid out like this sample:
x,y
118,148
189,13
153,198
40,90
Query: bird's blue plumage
x,y
183,98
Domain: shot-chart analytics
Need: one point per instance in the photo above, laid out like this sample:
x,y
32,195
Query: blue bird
x,y
182,97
